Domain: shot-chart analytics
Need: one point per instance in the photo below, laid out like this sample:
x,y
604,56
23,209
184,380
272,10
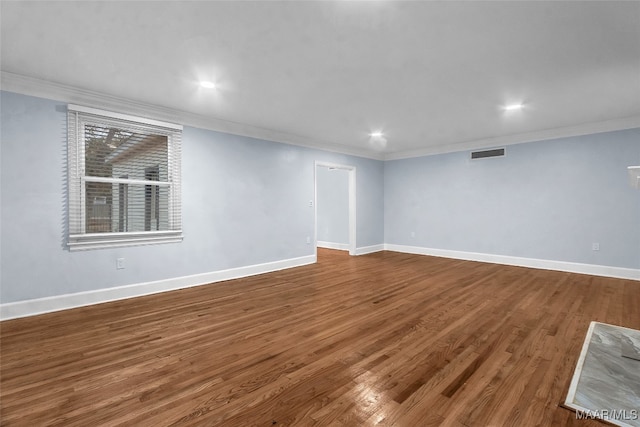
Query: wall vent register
x,y
485,154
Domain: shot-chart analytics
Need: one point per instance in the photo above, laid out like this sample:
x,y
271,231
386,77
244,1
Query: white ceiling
x,y
432,75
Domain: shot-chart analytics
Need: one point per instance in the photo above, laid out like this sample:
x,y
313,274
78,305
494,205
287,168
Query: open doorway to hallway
x,y
335,207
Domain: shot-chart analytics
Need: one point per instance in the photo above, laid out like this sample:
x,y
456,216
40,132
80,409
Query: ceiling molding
x,y
18,83
543,135
12,82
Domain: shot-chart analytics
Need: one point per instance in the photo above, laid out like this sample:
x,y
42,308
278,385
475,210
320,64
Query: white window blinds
x,y
124,180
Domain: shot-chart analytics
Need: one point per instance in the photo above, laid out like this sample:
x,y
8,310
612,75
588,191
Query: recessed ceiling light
x,y
207,84
377,140
513,107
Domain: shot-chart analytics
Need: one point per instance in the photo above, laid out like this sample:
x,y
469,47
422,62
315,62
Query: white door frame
x,y
352,203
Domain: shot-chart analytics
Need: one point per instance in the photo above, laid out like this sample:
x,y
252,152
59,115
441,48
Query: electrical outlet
x,y
413,234
120,263
310,203
308,240
595,246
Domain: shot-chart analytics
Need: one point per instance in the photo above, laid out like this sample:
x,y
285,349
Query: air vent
x,y
498,152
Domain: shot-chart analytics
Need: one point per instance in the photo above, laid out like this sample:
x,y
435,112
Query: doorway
x,y
335,206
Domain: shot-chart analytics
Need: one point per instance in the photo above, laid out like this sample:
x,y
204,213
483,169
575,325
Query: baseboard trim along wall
x,y
33,307
369,249
345,247
332,245
543,264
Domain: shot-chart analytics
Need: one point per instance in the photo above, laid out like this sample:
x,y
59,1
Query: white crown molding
x,y
501,141
543,264
14,310
25,85
31,86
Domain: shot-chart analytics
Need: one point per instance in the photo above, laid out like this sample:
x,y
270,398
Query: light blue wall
x,y
333,204
545,200
245,202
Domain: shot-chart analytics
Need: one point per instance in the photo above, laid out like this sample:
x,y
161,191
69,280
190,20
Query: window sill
x,y
82,242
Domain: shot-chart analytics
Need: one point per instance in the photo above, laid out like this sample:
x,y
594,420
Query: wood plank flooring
x,y
381,339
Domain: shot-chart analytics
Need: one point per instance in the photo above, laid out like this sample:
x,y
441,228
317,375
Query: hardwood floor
x,y
381,339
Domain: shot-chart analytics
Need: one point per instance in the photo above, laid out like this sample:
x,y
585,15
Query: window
x,y
124,180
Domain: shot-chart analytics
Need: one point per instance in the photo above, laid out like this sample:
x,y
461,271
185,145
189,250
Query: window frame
x,y
78,238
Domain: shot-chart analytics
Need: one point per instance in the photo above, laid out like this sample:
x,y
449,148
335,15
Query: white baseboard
x,y
33,307
345,247
571,267
332,245
369,249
